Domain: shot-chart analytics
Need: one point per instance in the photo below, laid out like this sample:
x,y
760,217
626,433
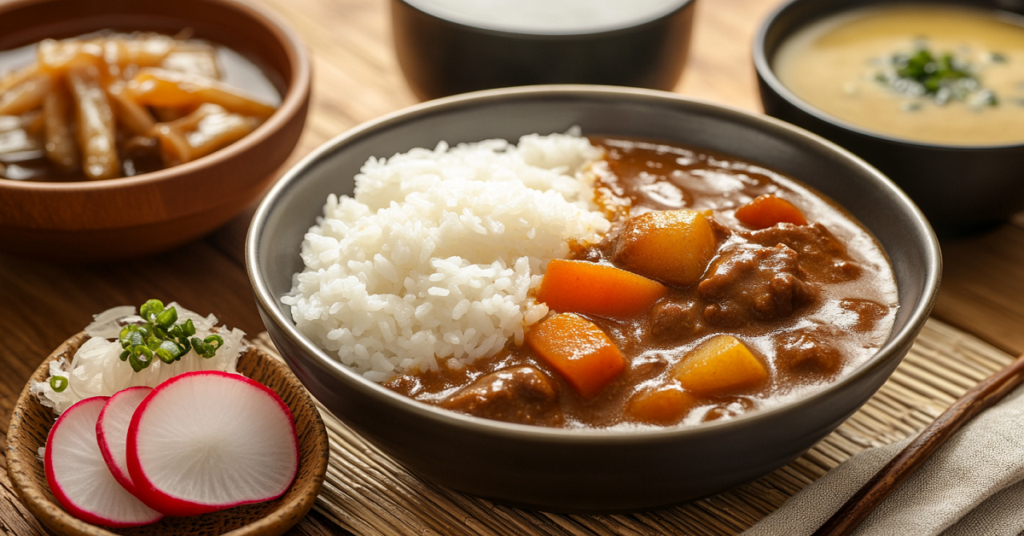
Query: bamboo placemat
x,y
368,493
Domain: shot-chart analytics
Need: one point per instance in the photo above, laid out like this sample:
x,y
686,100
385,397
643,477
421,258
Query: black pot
x,y
961,189
441,57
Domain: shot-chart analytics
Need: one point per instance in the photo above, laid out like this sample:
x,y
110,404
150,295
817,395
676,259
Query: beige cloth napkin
x,y
974,485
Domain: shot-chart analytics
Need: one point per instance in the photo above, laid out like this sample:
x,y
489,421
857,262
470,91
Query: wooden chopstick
x,y
888,478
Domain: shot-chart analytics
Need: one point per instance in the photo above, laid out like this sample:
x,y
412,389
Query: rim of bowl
x,y
598,32
270,303
764,69
298,86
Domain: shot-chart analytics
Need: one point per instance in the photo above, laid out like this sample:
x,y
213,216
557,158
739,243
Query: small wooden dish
x,y
31,422
114,219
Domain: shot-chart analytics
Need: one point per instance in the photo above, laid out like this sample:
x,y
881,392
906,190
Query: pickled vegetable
x,y
193,58
200,133
96,130
161,87
61,147
131,115
26,95
20,135
117,105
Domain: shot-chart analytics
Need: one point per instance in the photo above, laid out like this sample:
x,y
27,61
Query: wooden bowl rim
x,y
55,518
292,103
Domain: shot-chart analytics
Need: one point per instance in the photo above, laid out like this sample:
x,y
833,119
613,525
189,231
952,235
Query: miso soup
x,y
926,73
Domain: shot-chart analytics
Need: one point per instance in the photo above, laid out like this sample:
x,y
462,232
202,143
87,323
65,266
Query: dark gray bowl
x,y
442,57
961,189
573,470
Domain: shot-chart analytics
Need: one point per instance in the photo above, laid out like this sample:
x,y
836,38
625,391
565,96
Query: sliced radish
x,y
112,431
209,440
78,475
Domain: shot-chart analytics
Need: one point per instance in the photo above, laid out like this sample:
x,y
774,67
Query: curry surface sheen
x,y
810,301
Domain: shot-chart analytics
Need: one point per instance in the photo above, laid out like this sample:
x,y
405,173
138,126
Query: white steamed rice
x,y
435,257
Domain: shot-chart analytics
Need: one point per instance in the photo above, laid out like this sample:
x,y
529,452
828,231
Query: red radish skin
x,y
203,422
112,431
78,476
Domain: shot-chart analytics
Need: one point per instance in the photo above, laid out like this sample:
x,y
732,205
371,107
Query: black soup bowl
x,y
449,47
587,470
962,189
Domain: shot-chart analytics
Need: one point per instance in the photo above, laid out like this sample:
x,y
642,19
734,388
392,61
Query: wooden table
x,y
356,78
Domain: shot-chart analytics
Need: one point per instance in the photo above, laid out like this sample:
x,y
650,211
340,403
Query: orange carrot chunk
x,y
767,211
665,405
578,350
721,365
587,287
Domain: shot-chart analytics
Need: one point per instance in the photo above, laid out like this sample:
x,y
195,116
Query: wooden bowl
x,y
31,422
134,216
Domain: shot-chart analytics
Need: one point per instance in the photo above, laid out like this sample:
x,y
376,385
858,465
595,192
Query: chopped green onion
x,y
940,77
58,383
214,339
167,318
141,358
151,309
164,356
169,351
163,337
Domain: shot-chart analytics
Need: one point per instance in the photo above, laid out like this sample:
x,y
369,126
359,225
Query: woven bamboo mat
x,y
368,493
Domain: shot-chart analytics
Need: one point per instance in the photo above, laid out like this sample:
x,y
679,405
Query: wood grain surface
x,y
356,78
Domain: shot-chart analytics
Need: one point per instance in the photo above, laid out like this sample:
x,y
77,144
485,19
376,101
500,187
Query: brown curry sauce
x,y
810,301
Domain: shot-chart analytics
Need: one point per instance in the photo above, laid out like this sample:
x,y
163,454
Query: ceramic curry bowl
x,y
587,470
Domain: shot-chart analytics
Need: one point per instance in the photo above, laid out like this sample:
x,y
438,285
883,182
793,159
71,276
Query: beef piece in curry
x,y
722,288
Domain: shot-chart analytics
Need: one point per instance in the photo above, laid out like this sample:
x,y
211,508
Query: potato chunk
x,y
721,365
673,246
665,405
578,350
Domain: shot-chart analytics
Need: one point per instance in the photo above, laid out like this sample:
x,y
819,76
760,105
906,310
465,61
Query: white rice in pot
x,y
435,257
